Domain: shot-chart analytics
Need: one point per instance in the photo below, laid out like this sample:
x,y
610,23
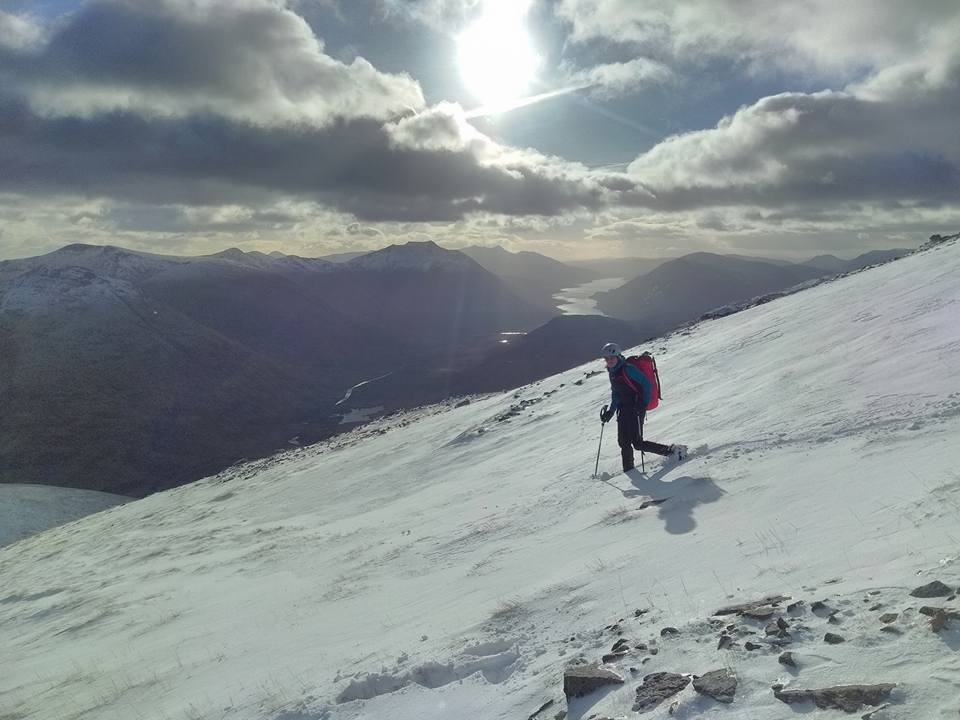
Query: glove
x,y
606,414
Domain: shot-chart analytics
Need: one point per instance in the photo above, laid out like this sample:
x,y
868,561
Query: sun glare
x,y
497,61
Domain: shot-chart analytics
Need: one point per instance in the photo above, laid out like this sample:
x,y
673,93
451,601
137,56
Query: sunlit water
x,y
579,300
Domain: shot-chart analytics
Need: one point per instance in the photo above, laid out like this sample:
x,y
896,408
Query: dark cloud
x,y
354,165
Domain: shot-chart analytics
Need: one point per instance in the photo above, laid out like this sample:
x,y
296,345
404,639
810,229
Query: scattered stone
x,y
761,613
725,642
876,607
821,609
612,657
891,630
656,688
721,685
782,624
888,618
669,631
743,608
833,619
787,659
464,403
939,621
931,611
772,629
796,607
874,592
934,589
638,612
654,651
832,639
640,646
584,679
848,698
620,646
752,646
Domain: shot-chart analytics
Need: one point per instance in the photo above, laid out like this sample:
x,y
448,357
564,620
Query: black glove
x,y
606,414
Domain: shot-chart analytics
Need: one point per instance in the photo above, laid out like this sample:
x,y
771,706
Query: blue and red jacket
x,y
622,395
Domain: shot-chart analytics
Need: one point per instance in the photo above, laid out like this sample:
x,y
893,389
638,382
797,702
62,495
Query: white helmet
x,y
611,350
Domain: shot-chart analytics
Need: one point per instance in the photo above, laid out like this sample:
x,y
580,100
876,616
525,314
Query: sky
x,y
575,128
453,560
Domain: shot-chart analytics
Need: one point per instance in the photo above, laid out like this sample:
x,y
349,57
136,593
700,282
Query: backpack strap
x,y
626,379
656,374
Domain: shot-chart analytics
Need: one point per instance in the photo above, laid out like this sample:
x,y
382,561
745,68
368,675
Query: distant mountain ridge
x,y
835,265
533,276
624,267
681,290
129,372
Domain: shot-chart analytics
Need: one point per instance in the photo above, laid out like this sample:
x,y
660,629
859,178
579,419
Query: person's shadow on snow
x,y
684,494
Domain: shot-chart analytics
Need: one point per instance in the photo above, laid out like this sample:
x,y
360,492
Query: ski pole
x,y
597,467
643,464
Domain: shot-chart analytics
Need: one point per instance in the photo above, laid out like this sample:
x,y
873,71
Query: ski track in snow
x,y
449,562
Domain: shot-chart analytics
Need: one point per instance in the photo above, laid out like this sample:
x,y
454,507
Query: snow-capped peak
x,y
425,255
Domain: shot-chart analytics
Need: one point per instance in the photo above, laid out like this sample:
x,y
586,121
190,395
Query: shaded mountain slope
x,y
561,343
681,290
130,373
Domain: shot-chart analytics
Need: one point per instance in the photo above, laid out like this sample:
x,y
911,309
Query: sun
x,y
497,60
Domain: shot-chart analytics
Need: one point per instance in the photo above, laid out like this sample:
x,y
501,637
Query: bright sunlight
x,y
497,60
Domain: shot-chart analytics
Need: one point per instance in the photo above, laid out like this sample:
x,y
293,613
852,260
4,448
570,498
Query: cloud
x,y
891,137
612,80
250,60
438,14
432,167
19,33
821,35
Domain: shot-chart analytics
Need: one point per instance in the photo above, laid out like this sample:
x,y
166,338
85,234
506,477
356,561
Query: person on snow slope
x,y
630,393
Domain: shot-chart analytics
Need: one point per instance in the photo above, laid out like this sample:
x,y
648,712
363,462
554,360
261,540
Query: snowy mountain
x,y
439,299
274,261
681,290
418,256
459,561
128,372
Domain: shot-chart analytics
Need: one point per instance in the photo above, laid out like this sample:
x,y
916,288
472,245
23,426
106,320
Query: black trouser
x,y
630,436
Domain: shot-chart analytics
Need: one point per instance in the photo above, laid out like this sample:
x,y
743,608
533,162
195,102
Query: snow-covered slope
x,y
29,509
451,562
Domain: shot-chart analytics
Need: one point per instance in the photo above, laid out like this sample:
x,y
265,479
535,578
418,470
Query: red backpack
x,y
648,366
